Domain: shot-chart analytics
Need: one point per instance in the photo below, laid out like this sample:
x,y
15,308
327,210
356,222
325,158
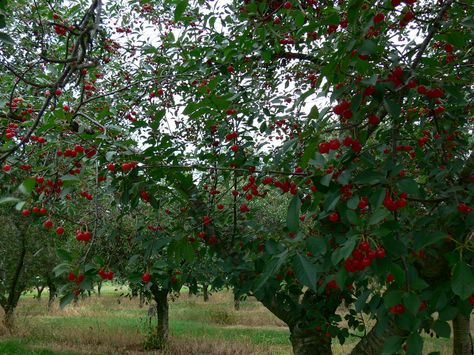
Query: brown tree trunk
x,y
52,291
39,291
99,288
308,342
141,299
462,341
9,318
373,343
236,302
162,312
205,289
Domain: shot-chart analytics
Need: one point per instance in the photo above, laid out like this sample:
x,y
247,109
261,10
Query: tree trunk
x,y
462,341
373,343
162,313
52,291
236,302
9,318
206,293
309,342
39,291
99,288
141,299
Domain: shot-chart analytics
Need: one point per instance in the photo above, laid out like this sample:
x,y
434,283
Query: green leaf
x,y
379,215
305,271
343,252
391,298
299,19
409,186
352,217
71,178
369,177
61,269
326,179
271,268
367,47
392,345
9,200
423,239
180,9
441,328
411,302
414,344
314,113
64,255
316,245
392,107
331,200
65,300
462,282
292,221
6,38
27,186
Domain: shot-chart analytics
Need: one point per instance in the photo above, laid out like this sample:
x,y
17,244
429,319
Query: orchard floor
x,y
111,324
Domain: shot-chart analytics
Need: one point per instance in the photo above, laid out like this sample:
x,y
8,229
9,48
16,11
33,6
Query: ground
x,y
112,324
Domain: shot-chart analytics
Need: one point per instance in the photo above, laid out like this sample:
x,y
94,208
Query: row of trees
x,y
166,136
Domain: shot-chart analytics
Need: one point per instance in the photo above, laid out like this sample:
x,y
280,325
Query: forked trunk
x,y
462,341
307,342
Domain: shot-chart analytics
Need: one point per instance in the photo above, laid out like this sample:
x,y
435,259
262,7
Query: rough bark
x,y
9,318
462,340
236,302
162,312
373,343
99,288
205,290
305,342
52,291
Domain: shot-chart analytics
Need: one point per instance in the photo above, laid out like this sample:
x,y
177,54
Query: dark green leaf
x,y
462,282
305,271
293,221
180,9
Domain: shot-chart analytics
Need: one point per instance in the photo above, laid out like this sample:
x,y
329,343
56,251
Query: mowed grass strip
x,y
111,324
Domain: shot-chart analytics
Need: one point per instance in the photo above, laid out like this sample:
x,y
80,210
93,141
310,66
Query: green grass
x,y
17,347
109,324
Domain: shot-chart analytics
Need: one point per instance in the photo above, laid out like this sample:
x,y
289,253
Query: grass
x,y
116,325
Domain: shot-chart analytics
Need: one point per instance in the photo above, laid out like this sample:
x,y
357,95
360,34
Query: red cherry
x,y
71,276
58,92
380,252
6,168
287,5
244,208
234,148
26,213
43,210
59,230
146,277
365,246
390,278
374,120
48,224
334,144
324,147
230,69
379,18
334,217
